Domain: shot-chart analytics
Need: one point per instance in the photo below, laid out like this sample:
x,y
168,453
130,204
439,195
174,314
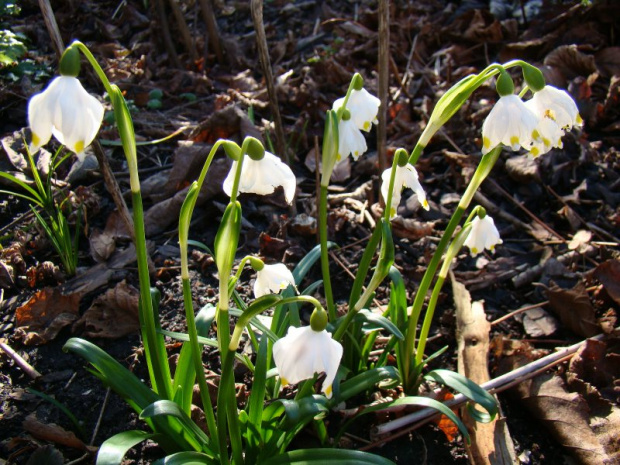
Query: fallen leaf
x,y
571,62
608,61
579,240
53,433
48,311
102,245
574,309
46,455
608,273
112,315
538,323
446,425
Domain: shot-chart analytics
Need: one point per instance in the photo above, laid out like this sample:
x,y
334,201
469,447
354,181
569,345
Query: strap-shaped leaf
x,y
227,237
114,449
187,458
374,321
364,381
327,456
167,408
308,261
469,389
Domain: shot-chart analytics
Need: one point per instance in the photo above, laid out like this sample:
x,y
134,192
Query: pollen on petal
x,y
425,204
284,381
36,140
535,134
366,125
79,146
328,391
579,120
486,143
546,141
535,152
474,250
549,114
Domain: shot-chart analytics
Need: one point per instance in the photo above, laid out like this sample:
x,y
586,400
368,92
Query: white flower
x,y
363,107
68,112
304,352
483,235
406,176
272,279
350,140
510,123
262,177
557,112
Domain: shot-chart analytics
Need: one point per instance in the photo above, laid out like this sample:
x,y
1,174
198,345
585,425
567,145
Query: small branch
x,y
23,364
498,384
215,41
165,31
186,36
52,27
384,74
263,54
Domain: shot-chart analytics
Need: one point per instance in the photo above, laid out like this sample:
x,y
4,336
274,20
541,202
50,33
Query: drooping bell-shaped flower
x,y
272,279
67,111
510,123
351,141
363,107
557,112
262,177
405,176
304,352
483,235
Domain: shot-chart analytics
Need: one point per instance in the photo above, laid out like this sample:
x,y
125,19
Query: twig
x,y
384,74
52,27
98,425
23,364
517,311
186,36
498,384
165,31
263,53
208,16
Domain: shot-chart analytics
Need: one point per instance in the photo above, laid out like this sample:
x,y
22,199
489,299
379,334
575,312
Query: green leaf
x,y
363,382
374,321
114,449
167,408
186,458
304,265
327,456
470,390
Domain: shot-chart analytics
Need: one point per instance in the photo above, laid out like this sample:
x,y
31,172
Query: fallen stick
x,y
19,360
498,384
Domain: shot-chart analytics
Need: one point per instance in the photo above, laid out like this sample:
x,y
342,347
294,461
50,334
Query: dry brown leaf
x,y
538,323
608,273
53,433
579,240
46,455
566,415
48,311
574,309
412,229
571,62
446,425
608,61
102,245
112,315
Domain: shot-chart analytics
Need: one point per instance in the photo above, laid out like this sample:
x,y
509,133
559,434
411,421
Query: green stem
x,y
93,62
327,284
428,318
484,168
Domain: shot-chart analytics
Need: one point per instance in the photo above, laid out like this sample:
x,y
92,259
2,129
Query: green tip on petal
x,y
504,85
70,62
318,320
255,149
358,81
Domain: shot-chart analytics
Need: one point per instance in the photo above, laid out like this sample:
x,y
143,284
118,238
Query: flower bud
x,y
232,150
255,149
402,157
357,81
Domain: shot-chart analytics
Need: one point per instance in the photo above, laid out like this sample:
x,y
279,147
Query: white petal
x,y
364,108
483,235
510,123
350,140
406,176
272,279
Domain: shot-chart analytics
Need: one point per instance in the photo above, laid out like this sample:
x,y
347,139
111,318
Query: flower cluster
x,y
536,125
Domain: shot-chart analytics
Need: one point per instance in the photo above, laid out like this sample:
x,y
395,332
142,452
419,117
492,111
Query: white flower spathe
x,y
557,112
272,279
350,140
510,123
304,352
67,111
483,235
262,177
363,107
405,176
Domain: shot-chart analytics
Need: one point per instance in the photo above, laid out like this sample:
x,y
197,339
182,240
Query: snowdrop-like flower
x,y
406,176
68,112
557,112
510,123
272,279
483,235
350,140
262,177
363,107
304,352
